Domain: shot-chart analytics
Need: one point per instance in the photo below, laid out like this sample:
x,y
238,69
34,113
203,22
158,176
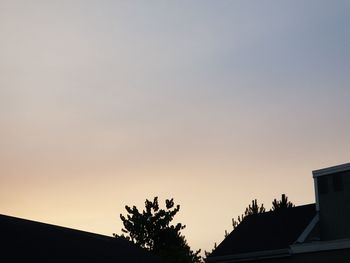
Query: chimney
x,y
332,189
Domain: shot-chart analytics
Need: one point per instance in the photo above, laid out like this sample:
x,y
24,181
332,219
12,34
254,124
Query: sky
x,y
213,103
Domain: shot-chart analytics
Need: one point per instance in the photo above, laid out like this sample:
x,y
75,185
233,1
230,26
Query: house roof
x,y
332,170
22,239
267,231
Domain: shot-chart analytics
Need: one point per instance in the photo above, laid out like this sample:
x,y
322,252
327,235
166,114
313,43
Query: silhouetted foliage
x,y
151,229
208,253
252,209
281,204
255,208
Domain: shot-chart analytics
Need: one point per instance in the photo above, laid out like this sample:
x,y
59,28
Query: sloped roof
x,y
267,231
32,241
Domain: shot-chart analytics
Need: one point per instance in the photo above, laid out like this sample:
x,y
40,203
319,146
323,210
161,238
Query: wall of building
x,y
336,256
334,200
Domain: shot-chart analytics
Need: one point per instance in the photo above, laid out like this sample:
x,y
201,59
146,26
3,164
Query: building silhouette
x,y
24,240
317,232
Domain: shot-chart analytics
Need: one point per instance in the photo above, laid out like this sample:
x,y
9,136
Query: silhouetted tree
x,y
151,229
281,204
252,209
255,208
208,253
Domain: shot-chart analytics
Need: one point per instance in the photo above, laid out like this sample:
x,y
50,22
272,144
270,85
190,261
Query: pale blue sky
x,y
106,103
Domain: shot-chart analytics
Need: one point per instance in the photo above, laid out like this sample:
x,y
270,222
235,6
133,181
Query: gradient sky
x,y
214,103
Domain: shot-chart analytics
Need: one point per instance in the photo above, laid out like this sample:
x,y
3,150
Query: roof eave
x,y
310,227
331,170
320,246
265,254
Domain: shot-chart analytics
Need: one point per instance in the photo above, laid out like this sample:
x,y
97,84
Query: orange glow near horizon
x,y
103,105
